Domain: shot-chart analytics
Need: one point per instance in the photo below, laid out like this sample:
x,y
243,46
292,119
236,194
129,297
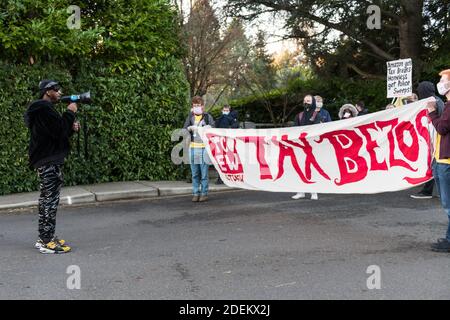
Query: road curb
x,y
112,191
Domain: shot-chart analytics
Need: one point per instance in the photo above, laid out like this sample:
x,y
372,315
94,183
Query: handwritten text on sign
x,y
399,78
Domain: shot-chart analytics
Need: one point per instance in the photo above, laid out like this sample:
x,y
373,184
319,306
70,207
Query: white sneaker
x,y
299,196
314,196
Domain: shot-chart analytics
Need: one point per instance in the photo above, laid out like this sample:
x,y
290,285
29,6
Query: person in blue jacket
x,y
228,120
324,114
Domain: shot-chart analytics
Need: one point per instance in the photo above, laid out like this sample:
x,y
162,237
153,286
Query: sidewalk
x,y
108,192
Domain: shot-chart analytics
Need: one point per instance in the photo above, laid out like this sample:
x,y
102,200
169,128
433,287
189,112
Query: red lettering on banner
x,y
371,146
404,141
310,158
235,177
410,152
392,160
287,151
424,132
225,154
352,167
260,143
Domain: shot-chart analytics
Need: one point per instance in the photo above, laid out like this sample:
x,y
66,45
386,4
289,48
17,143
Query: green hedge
x,y
336,93
127,53
129,123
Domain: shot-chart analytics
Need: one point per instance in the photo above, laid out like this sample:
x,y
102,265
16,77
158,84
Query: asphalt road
x,y
239,245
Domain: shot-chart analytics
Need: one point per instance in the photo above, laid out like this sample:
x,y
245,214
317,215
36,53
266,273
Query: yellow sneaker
x,y
54,248
39,243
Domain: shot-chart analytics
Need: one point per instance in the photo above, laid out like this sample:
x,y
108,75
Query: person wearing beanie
x,y
48,147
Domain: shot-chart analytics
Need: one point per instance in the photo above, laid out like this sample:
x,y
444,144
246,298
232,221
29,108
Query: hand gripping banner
x,y
381,152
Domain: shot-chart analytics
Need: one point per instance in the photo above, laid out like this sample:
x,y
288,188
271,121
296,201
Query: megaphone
x,y
78,98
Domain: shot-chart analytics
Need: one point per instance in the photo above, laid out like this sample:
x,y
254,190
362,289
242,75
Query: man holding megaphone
x,y
48,148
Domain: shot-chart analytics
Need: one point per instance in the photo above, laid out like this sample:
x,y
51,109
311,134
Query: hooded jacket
x,y
427,89
49,133
309,116
350,108
442,125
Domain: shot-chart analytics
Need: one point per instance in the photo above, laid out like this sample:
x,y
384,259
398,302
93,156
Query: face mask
x,y
319,105
443,88
198,110
226,113
307,105
347,115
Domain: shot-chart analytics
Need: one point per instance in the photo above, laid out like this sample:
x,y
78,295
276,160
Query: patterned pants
x,y
51,180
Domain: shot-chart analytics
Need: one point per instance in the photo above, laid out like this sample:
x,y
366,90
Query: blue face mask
x,y
226,112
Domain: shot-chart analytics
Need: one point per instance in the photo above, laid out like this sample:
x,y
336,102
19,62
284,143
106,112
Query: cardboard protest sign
x,y
399,78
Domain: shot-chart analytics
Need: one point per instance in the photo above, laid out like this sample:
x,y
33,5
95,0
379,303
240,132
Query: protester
x,y
198,155
390,106
348,111
403,101
361,107
48,148
310,115
226,121
411,99
441,163
234,114
324,114
426,90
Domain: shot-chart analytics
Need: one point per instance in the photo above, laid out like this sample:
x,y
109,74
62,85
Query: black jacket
x,y
427,89
308,116
50,132
227,122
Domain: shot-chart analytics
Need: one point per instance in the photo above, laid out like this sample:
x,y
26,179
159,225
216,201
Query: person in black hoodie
x,y
49,146
426,90
310,115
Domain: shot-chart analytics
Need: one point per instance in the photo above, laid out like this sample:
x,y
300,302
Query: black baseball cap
x,y
46,85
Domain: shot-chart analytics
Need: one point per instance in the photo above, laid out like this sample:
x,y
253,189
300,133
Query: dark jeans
x,y
441,174
51,181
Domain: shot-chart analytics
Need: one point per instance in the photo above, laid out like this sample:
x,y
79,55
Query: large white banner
x,y
380,152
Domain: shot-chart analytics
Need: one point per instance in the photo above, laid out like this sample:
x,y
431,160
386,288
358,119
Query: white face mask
x,y
319,105
443,88
347,115
198,110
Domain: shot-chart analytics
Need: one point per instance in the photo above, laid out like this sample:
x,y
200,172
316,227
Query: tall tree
x,y
316,23
206,44
263,67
